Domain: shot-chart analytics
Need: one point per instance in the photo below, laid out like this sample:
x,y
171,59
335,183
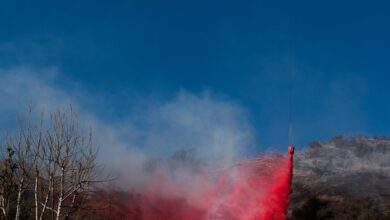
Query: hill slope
x,y
331,177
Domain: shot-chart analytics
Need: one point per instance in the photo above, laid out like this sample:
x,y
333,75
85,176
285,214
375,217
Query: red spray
x,y
256,189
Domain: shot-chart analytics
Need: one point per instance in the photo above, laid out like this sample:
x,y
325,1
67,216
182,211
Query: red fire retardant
x,y
256,189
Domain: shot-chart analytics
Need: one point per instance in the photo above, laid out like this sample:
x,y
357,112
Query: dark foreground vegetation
x,y
325,208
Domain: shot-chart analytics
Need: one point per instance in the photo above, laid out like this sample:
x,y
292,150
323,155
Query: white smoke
x,y
216,128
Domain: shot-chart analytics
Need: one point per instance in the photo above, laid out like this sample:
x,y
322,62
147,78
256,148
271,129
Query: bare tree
x,y
55,170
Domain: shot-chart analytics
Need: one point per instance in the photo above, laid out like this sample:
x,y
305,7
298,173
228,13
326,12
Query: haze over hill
x,y
341,170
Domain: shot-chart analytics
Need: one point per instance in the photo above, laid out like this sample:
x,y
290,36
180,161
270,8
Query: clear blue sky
x,y
236,49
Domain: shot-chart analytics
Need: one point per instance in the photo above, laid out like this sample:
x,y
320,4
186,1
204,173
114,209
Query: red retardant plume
x,y
256,189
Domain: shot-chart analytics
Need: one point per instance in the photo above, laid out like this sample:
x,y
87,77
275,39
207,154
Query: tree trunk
x,y
47,198
19,199
36,195
2,205
60,199
71,207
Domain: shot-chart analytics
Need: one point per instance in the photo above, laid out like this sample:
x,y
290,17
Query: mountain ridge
x,y
340,170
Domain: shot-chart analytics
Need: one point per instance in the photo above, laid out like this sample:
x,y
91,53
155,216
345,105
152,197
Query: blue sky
x,y
117,54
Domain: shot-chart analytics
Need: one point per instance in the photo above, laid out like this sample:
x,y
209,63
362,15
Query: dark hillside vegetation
x,y
343,178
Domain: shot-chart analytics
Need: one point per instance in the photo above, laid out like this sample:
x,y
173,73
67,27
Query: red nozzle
x,y
291,149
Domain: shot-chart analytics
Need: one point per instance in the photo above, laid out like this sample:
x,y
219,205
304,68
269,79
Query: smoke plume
x,y
178,158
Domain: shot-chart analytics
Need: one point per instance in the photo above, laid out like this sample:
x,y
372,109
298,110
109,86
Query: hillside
x,y
342,178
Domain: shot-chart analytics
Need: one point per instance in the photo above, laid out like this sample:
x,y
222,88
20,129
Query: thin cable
x,y
291,73
290,113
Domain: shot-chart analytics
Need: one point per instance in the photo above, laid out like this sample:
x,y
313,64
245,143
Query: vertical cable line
x,y
290,110
291,67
